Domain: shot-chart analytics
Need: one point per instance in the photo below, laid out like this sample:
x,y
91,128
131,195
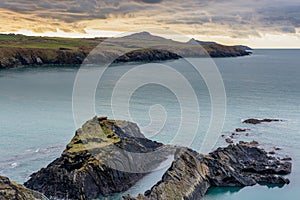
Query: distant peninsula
x,y
20,50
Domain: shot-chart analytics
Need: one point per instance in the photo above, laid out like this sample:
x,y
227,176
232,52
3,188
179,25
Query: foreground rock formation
x,y
109,156
104,157
192,174
10,190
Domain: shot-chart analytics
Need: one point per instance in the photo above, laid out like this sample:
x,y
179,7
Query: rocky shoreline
x,y
109,156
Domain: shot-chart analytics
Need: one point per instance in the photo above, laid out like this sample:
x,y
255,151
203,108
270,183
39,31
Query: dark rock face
x,y
192,174
259,121
24,57
147,55
84,169
11,190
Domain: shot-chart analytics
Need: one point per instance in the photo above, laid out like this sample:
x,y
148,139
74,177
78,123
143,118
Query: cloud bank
x,y
230,18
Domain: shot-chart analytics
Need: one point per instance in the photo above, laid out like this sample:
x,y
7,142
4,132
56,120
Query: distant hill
x,y
193,41
20,50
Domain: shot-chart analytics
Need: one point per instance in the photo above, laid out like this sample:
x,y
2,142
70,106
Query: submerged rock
x,y
259,121
238,130
192,174
104,157
229,140
11,190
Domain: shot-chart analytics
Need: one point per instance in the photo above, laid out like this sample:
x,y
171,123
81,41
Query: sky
x,y
256,23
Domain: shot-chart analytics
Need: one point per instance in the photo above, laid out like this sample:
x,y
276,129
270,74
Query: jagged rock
x,y
286,159
109,156
192,174
104,157
259,121
241,130
10,190
229,140
272,152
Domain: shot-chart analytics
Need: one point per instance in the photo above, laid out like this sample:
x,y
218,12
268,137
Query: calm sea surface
x,y
36,119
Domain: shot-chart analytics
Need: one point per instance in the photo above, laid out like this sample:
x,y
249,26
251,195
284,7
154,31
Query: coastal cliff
x,y
20,50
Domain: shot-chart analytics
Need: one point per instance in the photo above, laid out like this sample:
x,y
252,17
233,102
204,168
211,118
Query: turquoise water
x,y
36,119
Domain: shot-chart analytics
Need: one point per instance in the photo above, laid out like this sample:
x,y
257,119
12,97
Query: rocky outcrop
x,y
109,156
238,130
10,190
259,121
192,174
104,157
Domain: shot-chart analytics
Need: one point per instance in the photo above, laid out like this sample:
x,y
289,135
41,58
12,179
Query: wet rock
x,y
10,190
241,130
272,152
286,159
259,121
192,174
104,157
229,140
252,143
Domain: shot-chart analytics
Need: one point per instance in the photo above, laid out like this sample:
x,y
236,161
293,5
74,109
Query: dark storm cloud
x,y
149,1
239,16
70,10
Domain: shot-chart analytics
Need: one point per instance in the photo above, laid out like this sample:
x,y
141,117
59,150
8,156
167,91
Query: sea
x,y
178,102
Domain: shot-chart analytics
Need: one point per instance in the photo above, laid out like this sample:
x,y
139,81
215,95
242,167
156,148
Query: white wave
x,y
14,165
